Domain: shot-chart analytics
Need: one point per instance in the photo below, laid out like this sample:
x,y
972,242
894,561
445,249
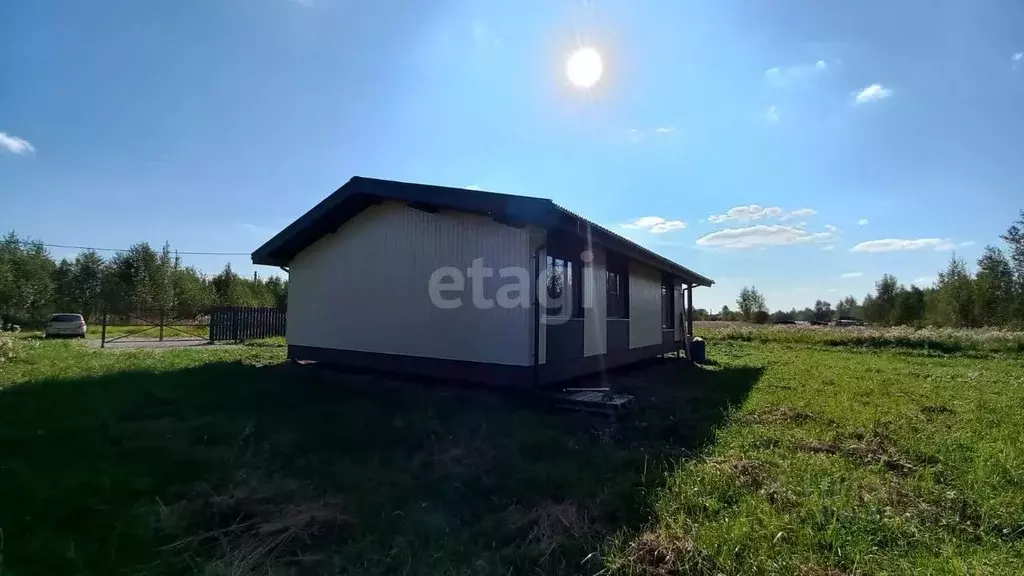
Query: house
x,y
440,281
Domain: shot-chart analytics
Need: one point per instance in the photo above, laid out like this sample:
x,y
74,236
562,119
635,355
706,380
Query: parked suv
x,y
65,325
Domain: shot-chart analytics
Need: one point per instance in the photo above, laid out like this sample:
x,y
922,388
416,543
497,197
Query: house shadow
x,y
363,472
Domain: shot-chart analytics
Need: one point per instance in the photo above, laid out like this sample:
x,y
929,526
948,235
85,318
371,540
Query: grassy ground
x,y
781,459
941,340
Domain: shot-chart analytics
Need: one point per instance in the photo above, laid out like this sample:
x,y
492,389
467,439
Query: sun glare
x,y
584,67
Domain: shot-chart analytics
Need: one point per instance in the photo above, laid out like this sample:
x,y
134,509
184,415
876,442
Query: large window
x,y
668,305
563,288
617,299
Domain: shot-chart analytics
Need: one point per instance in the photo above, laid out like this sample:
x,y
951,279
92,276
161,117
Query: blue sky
x,y
785,134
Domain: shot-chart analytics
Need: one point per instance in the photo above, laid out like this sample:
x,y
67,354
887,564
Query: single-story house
x,y
440,282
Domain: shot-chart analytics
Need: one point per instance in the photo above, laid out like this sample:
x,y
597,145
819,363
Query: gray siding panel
x,y
595,305
365,288
644,306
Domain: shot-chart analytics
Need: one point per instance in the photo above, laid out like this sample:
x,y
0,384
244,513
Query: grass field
x,y
781,459
941,340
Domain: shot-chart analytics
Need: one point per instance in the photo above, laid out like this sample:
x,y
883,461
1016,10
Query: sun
x,y
584,67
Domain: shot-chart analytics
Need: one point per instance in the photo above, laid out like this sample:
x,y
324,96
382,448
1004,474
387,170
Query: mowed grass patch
x,y
225,461
845,462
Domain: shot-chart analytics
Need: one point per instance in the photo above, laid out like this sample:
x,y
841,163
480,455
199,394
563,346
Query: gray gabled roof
x,y
359,193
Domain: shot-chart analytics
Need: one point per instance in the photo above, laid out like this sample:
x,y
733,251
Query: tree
x,y
910,306
63,287
885,299
1014,239
956,293
847,307
822,311
750,302
805,315
994,288
87,283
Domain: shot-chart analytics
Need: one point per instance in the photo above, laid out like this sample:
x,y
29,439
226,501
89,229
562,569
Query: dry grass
x,y
255,522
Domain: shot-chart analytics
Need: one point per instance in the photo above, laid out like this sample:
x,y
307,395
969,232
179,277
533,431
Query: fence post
x,y
210,323
103,331
162,320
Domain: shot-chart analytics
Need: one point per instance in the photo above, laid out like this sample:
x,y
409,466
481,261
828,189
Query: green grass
x,y
929,340
781,459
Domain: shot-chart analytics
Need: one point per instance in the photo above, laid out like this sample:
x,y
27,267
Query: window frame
x,y
572,280
617,303
668,304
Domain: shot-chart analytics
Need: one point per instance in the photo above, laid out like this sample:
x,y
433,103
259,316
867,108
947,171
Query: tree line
x,y
139,280
993,295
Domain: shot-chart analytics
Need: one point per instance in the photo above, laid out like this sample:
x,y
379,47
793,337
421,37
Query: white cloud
x,y
897,245
967,243
665,129
783,76
863,222
636,135
1017,56
772,114
925,280
828,248
762,235
851,275
871,93
745,214
801,213
756,212
15,145
474,187
655,224
831,228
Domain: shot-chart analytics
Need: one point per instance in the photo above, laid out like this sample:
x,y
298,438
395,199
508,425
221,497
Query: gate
x,y
223,323
245,323
153,325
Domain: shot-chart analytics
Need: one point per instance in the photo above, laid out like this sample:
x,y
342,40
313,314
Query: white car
x,y
65,325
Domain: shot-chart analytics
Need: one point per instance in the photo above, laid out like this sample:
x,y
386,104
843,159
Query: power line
x,y
93,248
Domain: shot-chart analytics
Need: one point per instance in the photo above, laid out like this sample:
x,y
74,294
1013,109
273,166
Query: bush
x,y
9,347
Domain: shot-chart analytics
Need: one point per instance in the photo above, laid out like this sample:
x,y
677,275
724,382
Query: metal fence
x,y
245,323
222,323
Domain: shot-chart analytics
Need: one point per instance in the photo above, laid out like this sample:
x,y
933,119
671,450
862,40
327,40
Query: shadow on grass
x,y
244,466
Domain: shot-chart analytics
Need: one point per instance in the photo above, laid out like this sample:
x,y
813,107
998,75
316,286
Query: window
x,y
563,290
616,299
668,305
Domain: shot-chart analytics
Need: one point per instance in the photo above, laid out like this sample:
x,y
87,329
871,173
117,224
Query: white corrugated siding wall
x,y
595,310
644,306
365,288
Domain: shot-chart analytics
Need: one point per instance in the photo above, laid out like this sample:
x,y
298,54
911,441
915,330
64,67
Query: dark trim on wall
x,y
564,340
477,372
617,331
557,372
668,336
